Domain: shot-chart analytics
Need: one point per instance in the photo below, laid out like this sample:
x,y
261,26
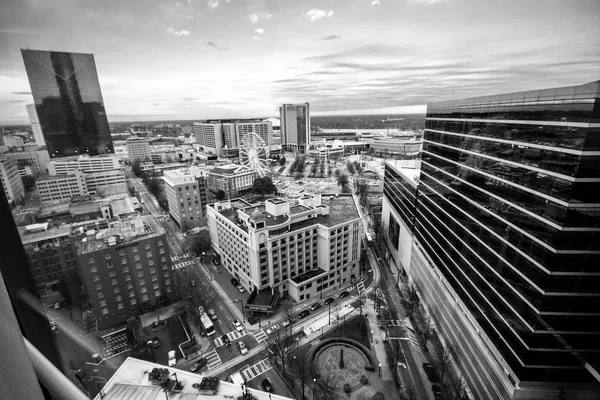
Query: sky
x,y
200,59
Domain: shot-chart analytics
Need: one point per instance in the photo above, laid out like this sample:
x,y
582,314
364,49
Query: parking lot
x,y
170,336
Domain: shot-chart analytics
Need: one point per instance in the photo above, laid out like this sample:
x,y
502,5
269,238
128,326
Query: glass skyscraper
x,y
506,250
68,102
295,126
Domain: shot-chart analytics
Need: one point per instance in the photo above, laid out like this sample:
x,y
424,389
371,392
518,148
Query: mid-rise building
x,y
68,165
304,249
394,145
100,179
295,127
68,101
61,188
186,196
11,141
209,135
233,179
125,267
36,128
506,241
138,149
34,157
11,180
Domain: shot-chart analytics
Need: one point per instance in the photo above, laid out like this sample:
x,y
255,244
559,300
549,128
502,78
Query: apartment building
x,y
61,188
209,135
86,163
138,149
222,136
126,268
11,180
304,249
233,179
186,194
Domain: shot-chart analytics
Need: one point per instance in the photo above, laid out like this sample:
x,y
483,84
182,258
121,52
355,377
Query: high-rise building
x,y
209,135
506,249
303,249
220,137
264,129
38,135
11,180
138,149
295,127
68,101
186,194
126,268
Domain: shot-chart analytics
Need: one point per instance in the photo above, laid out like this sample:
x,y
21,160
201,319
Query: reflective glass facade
x,y
509,211
69,102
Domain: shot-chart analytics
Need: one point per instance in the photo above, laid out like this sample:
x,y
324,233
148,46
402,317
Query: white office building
x,y
209,135
61,188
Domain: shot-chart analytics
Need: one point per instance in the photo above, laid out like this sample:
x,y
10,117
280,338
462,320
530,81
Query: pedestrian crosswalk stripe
x,y
260,336
212,359
255,370
414,341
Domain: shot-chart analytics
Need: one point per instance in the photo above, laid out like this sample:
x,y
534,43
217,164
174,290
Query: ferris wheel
x,y
254,153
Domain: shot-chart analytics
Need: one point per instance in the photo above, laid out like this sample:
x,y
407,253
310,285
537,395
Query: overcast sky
x,y
190,59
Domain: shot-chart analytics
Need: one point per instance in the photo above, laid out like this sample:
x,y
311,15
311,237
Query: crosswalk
x,y
180,256
361,287
183,264
233,335
395,322
260,336
414,341
213,359
255,370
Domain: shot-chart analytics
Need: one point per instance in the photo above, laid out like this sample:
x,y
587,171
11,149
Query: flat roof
x,y
31,237
342,208
409,169
131,381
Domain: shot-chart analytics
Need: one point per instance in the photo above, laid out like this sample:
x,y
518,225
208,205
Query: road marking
x,y
260,336
253,371
213,359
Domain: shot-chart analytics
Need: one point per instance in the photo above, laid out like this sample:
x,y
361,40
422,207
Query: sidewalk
x,y
162,314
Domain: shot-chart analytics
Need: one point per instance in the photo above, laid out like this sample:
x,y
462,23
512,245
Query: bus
x,y
369,239
206,322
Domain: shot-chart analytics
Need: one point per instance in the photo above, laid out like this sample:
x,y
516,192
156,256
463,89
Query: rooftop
x,y
36,232
342,208
231,169
131,381
409,169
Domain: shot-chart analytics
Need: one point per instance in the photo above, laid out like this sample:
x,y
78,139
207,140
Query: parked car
x,y
212,314
286,322
198,364
328,301
437,391
215,262
172,360
226,340
155,342
241,289
243,348
344,294
266,385
303,314
238,326
235,282
315,306
430,372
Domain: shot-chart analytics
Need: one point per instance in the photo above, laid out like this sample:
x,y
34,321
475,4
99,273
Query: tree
x,y
154,187
299,175
427,331
28,182
136,169
262,186
314,169
220,194
342,179
457,389
350,167
412,300
199,243
282,161
279,345
302,366
443,360
130,189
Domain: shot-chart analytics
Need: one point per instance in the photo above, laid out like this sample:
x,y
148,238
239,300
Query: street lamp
x,y
177,380
242,308
330,313
314,387
371,335
380,370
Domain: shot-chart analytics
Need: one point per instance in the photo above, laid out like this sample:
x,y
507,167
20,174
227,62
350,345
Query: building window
x,y
120,306
100,295
93,269
104,311
145,297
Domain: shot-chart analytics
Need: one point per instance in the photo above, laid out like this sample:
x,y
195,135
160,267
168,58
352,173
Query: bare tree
x,y
301,365
457,389
412,301
427,331
279,345
443,360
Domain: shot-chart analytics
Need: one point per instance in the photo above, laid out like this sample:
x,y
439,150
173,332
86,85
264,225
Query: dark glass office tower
x,y
508,211
69,102
295,126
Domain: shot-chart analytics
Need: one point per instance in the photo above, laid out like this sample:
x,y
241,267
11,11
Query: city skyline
x,y
344,57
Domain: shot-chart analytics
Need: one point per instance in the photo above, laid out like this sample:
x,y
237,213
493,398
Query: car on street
x,y
155,342
303,314
172,360
437,391
315,306
286,322
243,348
238,326
266,385
198,364
430,372
235,282
241,289
344,294
215,262
328,301
226,340
212,314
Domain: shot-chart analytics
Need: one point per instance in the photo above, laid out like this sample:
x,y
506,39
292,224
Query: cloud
x,y
268,15
214,45
256,38
25,93
253,18
183,32
375,3
212,3
331,37
189,17
19,31
316,14
260,31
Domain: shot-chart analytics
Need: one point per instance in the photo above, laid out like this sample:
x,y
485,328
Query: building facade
x,y
61,188
209,135
11,180
12,141
126,268
295,127
233,179
36,128
221,137
100,179
304,250
138,149
68,101
68,165
35,157
394,145
506,239
186,195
